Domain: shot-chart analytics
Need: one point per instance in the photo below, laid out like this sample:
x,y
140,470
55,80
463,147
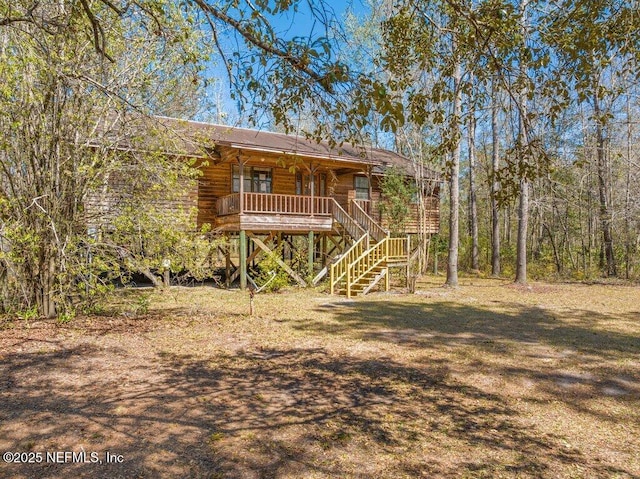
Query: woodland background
x,y
528,108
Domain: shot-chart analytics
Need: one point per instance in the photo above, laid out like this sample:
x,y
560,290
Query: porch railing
x,y
385,251
339,268
348,223
376,231
228,205
364,204
274,204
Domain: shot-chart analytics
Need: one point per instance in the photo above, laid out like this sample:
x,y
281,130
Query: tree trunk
x,y
495,164
627,197
157,283
454,171
436,243
523,142
603,192
473,207
43,284
523,223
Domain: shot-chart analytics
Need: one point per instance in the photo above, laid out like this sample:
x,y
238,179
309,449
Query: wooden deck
x,y
285,223
269,212
262,212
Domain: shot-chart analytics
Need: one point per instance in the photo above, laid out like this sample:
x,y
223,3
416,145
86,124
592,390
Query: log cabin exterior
x,y
263,190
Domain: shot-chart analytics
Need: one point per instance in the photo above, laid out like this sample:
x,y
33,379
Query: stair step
x,y
364,281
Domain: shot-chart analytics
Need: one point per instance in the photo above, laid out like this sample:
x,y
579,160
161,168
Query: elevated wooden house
x,y
275,192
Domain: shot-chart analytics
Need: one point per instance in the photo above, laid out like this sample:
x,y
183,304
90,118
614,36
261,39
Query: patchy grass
x,y
488,380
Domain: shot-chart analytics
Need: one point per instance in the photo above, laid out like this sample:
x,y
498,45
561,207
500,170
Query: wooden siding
x,y
201,195
104,204
429,224
216,182
213,183
344,189
413,223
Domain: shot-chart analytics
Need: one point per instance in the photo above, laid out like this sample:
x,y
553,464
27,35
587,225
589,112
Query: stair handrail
x,y
351,225
398,248
338,270
378,254
366,262
376,231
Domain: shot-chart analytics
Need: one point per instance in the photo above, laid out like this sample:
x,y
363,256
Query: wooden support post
x,y
251,258
280,245
236,273
286,248
331,279
386,255
408,258
284,265
227,257
323,249
243,259
311,252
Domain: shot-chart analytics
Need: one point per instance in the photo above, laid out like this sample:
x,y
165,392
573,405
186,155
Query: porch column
x,y
311,252
243,259
312,185
369,204
241,190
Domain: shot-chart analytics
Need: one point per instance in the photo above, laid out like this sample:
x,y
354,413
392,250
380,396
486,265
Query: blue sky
x,y
302,22
288,25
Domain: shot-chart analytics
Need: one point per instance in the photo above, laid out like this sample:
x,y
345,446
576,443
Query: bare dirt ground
x,y
488,380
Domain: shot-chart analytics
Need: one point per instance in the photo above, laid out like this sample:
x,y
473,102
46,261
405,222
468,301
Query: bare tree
x,y
66,127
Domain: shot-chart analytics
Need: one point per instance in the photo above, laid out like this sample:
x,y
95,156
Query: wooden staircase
x,y
367,261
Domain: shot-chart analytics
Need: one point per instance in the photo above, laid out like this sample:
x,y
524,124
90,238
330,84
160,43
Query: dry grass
x,y
488,380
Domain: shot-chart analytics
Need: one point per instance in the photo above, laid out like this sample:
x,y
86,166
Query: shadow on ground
x,y
285,412
432,324
570,356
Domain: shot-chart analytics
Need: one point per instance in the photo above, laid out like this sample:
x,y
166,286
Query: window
x,y
321,183
262,180
258,180
236,178
361,184
303,184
